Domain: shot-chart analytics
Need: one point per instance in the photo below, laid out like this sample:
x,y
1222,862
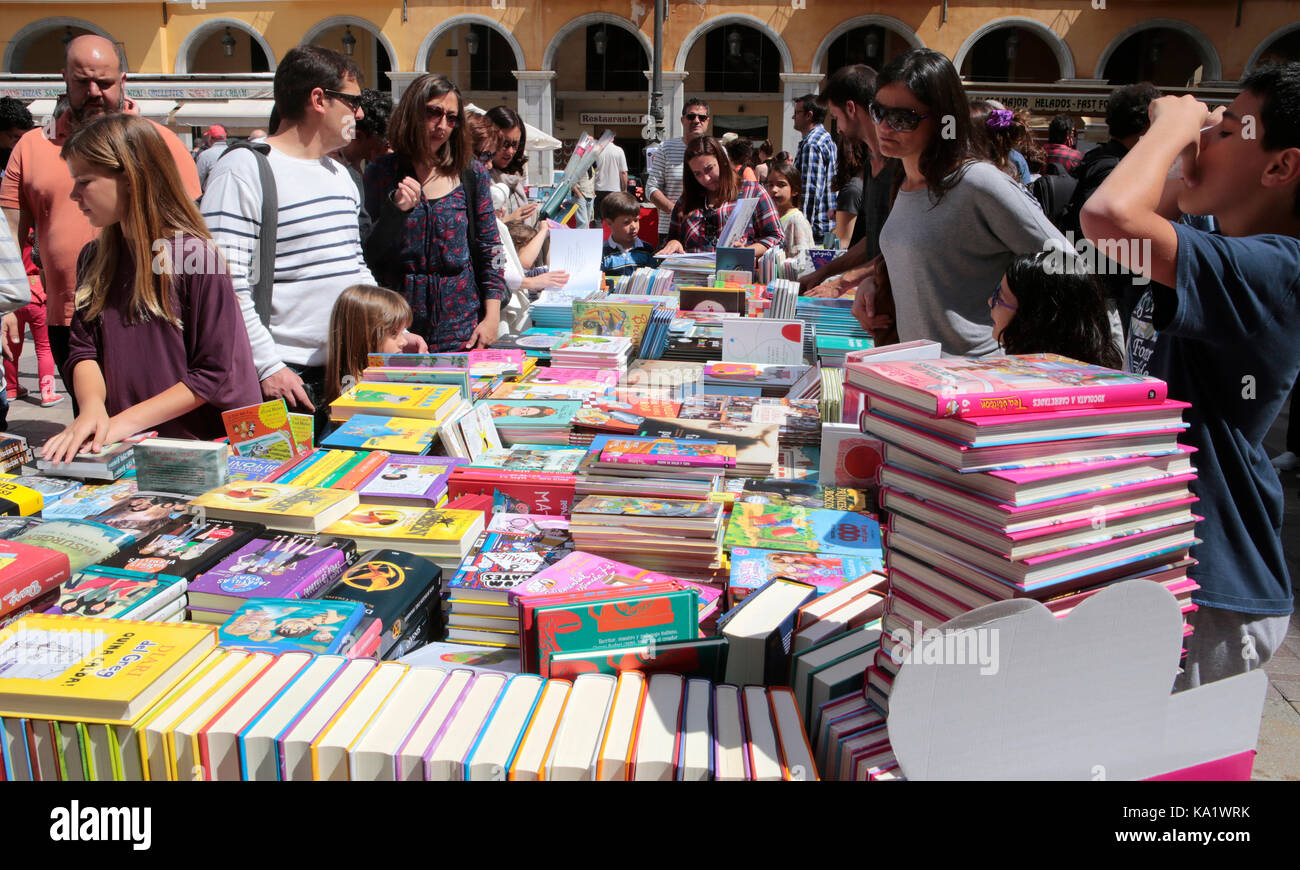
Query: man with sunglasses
x,y
848,96
664,181
317,241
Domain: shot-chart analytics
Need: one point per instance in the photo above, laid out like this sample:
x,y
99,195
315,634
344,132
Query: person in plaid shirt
x,y
815,160
1061,140
710,189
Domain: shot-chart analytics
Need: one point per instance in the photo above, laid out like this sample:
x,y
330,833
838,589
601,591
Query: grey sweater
x,y
946,260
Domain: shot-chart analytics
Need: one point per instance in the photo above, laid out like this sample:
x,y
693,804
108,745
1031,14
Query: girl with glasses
x,y
958,221
1050,303
507,165
435,239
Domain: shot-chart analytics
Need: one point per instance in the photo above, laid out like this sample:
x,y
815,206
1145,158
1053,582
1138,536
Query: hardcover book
x,y
703,657
396,588
28,572
751,569
659,617
801,529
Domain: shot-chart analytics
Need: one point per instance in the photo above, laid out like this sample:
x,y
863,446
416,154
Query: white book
x,y
128,751
446,761
490,759
183,739
764,612
408,763
657,737
156,727
329,751
867,607
620,732
371,757
173,611
764,753
695,760
295,743
41,748
70,748
151,608
220,738
527,764
728,735
807,661
572,755
258,751
796,754
839,596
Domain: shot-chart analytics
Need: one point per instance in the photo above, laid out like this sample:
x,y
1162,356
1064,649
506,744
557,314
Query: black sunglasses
x,y
353,100
899,119
436,114
692,116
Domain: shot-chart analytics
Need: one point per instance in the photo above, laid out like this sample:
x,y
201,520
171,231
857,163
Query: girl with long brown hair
x,y
158,340
710,190
365,320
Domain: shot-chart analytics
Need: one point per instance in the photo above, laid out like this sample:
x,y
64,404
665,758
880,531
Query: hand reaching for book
x,y
87,434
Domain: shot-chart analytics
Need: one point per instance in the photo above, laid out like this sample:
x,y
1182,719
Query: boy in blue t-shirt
x,y
624,252
1220,324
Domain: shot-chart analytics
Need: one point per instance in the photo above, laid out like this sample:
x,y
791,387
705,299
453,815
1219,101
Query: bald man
x,y
37,185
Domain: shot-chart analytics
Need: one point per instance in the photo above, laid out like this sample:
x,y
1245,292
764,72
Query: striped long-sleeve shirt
x,y
317,249
815,160
666,174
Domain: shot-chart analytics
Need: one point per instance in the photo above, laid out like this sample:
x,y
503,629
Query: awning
x,y
154,110
235,113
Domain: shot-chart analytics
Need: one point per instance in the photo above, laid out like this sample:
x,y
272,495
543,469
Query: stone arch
x,y
582,21
787,62
196,37
888,22
432,37
340,20
1064,57
1209,54
16,50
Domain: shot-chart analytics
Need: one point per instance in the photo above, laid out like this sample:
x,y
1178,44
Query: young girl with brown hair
x,y
365,320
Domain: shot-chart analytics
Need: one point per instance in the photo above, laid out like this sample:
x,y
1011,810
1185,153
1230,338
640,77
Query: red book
x,y
548,494
481,503
528,662
28,572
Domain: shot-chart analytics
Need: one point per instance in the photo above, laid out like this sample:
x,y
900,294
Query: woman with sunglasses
x,y
710,191
435,239
507,165
958,221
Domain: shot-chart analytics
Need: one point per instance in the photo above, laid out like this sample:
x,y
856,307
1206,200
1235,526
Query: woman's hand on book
x,y
485,333
285,384
88,433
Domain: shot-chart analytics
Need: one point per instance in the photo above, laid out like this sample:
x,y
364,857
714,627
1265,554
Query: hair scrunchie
x,y
999,119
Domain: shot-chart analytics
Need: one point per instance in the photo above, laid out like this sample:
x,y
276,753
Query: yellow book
x,y
331,462
182,741
152,727
378,432
385,399
19,500
93,670
329,751
540,732
423,531
277,505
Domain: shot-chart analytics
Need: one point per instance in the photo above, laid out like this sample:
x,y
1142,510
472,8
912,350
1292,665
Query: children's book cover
x,y
459,378
109,593
415,477
478,430
407,524
661,617
669,452
187,547
525,414
801,529
422,401
607,317
753,374
531,457
273,499
587,379
580,571
750,569
504,560
277,624
273,566
374,432
248,468
614,506
262,431
89,500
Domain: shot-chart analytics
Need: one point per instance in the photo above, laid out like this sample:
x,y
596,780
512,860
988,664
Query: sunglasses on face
x,y
996,299
897,118
353,100
510,144
692,116
436,114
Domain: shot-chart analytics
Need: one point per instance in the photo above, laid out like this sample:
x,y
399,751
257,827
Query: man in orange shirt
x,y
37,186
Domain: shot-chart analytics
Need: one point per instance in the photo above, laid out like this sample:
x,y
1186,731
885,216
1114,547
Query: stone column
x,y
401,81
537,107
674,97
795,85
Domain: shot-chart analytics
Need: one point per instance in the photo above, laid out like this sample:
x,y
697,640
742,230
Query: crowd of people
x,y
167,292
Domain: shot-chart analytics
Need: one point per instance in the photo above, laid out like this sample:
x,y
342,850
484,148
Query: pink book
x,y
992,386
1234,768
662,452
579,571
574,377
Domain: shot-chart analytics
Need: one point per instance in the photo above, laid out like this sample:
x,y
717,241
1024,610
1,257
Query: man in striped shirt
x,y
815,160
318,244
664,184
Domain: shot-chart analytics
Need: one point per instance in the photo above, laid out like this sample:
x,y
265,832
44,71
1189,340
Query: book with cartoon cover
x,y
262,431
113,593
614,506
278,505
533,414
805,530
442,529
750,569
279,625
415,401
608,317
186,547
272,566
375,432
409,480
669,452
531,457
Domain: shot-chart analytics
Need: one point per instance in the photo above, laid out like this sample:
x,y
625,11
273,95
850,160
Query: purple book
x,y
409,480
282,565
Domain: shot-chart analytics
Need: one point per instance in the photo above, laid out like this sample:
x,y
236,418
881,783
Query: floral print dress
x,y
425,254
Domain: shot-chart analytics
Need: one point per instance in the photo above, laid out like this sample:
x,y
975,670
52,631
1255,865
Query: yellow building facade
x,y
572,66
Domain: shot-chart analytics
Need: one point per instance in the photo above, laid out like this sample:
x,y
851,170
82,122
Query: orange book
x,y
362,470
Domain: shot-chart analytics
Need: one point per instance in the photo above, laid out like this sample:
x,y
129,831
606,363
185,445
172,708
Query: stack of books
x,y
661,456
693,340
610,352
675,536
753,379
553,308
646,282
14,452
442,535
536,341
407,481
1022,477
533,421
799,419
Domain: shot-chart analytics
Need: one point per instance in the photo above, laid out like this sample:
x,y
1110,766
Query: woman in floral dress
x,y
436,239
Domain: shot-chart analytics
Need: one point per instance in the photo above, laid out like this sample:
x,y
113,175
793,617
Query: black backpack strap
x,y
469,180
270,225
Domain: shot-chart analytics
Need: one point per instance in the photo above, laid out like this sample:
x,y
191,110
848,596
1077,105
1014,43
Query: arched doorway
x,y
1164,56
600,63
360,40
874,44
1282,47
736,66
40,47
1011,53
479,59
224,46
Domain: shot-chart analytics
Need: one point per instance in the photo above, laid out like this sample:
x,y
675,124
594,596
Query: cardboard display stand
x,y
1008,691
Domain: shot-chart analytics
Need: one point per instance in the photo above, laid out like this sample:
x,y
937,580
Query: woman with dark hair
x,y
436,239
507,166
1041,308
958,221
847,185
710,190
741,154
764,160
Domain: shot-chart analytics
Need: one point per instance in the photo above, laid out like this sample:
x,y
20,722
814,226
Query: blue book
x,y
278,624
